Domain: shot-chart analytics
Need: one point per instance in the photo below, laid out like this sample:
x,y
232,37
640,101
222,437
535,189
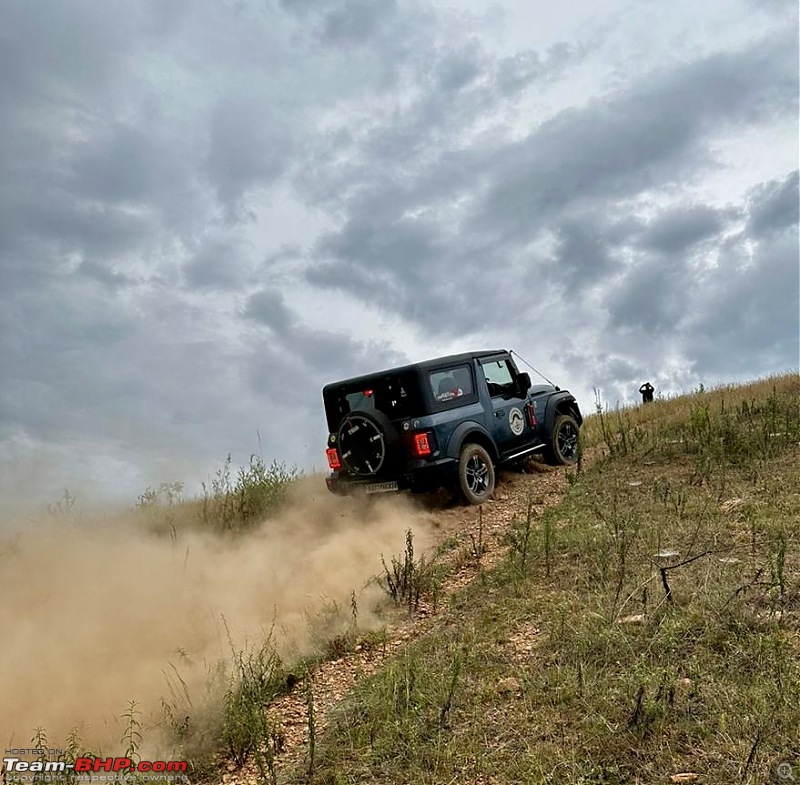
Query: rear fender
x,y
468,431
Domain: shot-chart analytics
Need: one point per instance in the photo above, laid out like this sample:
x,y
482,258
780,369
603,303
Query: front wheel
x,y
563,446
475,474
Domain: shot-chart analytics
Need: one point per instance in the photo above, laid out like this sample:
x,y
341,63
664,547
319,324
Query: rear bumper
x,y
420,479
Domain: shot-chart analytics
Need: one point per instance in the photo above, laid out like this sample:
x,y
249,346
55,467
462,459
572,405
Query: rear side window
x,y
451,384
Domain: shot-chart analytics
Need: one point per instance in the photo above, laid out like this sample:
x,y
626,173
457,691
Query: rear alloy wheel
x,y
475,473
563,447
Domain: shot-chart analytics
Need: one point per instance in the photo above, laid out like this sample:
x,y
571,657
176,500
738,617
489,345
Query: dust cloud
x,y
96,613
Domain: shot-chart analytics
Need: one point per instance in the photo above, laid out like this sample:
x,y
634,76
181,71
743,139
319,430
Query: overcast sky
x,y
210,209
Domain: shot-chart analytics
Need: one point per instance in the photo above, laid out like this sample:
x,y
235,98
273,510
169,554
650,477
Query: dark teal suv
x,y
444,422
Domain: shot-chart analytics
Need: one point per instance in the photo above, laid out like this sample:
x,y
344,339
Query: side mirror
x,y
524,381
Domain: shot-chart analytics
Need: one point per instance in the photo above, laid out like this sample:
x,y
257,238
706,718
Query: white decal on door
x,y
516,421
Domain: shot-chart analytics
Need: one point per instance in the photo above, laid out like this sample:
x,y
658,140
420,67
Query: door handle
x,y
499,414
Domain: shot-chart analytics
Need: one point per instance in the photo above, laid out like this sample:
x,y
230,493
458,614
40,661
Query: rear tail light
x,y
422,444
333,458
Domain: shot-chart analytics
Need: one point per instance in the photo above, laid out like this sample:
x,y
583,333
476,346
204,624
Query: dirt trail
x,y
332,680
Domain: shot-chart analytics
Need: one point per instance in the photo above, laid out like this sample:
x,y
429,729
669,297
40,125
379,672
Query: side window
x,y
451,384
499,378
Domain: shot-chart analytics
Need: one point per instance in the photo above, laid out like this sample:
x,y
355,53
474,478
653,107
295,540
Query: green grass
x,y
232,503
648,625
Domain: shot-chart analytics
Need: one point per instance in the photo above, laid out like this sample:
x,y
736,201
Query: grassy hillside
x,y
645,626
648,626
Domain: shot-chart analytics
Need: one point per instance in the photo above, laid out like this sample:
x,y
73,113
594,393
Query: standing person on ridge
x,y
647,391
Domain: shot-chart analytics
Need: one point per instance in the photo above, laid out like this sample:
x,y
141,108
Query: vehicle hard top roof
x,y
425,365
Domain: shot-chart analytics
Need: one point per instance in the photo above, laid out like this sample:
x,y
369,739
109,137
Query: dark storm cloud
x,y
575,180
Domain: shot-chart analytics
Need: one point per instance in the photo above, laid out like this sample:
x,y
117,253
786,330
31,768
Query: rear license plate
x,y
381,487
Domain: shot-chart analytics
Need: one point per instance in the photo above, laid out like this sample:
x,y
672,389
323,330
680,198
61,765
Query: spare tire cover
x,y
367,442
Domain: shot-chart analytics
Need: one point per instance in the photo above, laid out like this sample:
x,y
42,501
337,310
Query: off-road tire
x,y
562,448
476,475
367,443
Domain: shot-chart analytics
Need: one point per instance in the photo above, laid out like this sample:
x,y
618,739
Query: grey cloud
x,y
367,285
515,72
747,319
217,265
316,351
584,253
354,21
774,206
649,298
108,276
332,354
649,134
675,230
415,155
118,164
268,307
615,378
279,377
457,70
600,156
57,54
290,374
407,245
288,251
44,227
248,145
